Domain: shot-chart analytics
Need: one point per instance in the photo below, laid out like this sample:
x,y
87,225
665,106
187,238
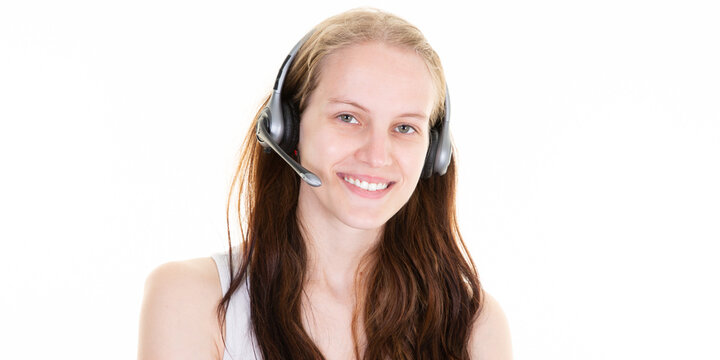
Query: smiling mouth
x,y
366,185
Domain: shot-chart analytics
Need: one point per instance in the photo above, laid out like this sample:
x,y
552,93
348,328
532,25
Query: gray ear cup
x,y
443,149
274,123
264,118
282,126
439,152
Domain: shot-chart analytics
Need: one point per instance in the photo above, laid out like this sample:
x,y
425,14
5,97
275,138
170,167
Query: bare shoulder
x,y
490,337
178,318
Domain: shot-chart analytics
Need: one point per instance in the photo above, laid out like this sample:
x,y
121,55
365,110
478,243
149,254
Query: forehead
x,y
382,77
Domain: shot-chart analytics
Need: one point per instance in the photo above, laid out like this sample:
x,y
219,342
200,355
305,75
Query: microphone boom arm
x,y
264,138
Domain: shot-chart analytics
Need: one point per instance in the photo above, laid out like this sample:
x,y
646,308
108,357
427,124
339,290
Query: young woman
x,y
369,264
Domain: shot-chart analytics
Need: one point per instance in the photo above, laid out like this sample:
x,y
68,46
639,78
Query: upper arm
x,y
178,318
490,336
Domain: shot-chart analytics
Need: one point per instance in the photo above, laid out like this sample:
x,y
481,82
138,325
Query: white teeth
x,y
365,185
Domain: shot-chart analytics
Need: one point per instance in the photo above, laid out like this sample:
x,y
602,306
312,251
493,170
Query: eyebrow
x,y
419,116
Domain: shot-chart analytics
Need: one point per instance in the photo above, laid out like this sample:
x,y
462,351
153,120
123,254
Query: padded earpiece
x,y
430,157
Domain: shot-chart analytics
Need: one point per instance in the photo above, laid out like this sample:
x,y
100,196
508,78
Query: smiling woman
x,y
370,264
360,138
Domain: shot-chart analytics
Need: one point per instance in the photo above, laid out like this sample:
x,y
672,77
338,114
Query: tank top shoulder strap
x,y
239,338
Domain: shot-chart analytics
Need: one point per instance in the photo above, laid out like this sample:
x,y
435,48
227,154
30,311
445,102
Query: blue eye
x,y
348,119
405,129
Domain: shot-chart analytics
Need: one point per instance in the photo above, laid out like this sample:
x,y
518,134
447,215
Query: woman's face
x,y
364,132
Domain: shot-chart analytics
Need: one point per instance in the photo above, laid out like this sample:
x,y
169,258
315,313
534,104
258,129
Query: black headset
x,y
278,128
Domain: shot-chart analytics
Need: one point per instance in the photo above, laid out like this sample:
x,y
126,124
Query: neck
x,y
335,251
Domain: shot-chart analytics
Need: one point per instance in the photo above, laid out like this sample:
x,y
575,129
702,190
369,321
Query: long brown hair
x,y
420,290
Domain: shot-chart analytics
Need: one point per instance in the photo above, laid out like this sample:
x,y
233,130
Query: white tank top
x,y
239,338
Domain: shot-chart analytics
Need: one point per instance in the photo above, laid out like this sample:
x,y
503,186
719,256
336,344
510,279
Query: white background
x,y
588,138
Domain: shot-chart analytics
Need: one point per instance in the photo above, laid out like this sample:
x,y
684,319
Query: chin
x,y
366,223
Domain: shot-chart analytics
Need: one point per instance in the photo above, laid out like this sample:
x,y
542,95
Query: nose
x,y
375,149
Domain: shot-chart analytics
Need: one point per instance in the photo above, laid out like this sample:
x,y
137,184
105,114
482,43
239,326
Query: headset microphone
x,y
275,122
265,138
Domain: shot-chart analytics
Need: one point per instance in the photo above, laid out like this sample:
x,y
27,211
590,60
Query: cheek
x,y
307,141
414,161
317,148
